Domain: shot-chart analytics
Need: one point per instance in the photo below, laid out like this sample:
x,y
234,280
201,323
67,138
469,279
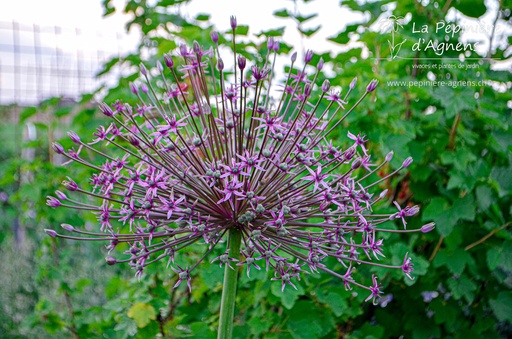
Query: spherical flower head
x,y
222,158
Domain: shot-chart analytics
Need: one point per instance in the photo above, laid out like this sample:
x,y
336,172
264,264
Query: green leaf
x,y
302,19
289,296
272,32
27,112
434,208
471,8
462,287
502,306
499,256
456,261
282,13
302,323
483,197
203,17
310,32
501,176
334,299
455,101
142,314
342,38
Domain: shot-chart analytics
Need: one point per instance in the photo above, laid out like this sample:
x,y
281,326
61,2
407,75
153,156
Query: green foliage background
x,y
461,177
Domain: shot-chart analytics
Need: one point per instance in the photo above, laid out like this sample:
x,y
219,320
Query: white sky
x,y
87,16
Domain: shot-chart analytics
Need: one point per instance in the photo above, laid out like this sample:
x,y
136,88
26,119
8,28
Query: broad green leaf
x,y
462,287
302,323
500,256
471,8
27,112
502,306
289,296
142,314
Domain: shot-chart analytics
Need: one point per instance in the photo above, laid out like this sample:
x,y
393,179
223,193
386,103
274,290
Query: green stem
x,y
227,304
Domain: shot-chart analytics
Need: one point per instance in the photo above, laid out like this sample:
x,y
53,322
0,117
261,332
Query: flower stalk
x,y
229,287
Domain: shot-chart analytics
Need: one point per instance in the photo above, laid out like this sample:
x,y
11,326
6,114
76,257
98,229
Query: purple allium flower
x,y
214,157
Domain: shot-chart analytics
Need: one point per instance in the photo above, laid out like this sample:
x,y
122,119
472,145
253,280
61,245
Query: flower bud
x,y
57,148
353,83
270,43
326,85
134,88
106,110
220,64
242,61
159,66
169,62
389,156
383,194
61,195
70,185
214,36
407,162
294,56
144,89
52,202
68,227
276,46
51,233
320,64
196,48
111,260
308,56
372,86
356,164
428,227
74,137
143,69
232,21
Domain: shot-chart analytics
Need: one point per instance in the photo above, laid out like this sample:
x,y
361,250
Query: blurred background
x,y
59,59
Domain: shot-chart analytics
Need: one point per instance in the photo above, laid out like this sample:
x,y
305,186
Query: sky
x,y
98,38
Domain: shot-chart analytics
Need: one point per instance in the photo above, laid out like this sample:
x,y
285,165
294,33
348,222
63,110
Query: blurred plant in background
x,y
459,137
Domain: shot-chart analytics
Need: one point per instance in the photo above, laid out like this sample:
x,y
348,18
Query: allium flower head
x,y
204,153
